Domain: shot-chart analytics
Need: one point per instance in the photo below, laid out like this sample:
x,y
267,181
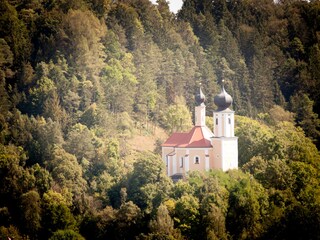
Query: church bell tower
x,y
200,110
225,144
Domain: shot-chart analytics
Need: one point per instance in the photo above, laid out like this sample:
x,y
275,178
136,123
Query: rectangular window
x,y
181,162
216,121
229,120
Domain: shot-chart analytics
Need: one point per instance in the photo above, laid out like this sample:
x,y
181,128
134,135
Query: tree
x,y
148,184
67,234
81,142
271,174
67,173
295,145
56,214
4,111
248,207
163,225
177,117
15,178
119,84
305,187
113,165
187,216
52,109
181,188
106,222
30,208
127,221
215,223
211,190
14,32
299,222
43,178
305,117
297,48
256,139
262,83
80,41
45,135
6,61
42,89
315,72
147,95
256,166
10,232
278,114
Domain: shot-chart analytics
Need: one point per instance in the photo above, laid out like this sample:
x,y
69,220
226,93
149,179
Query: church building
x,y
201,149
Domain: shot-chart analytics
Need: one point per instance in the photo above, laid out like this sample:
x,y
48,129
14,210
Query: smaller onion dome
x,y
200,97
223,100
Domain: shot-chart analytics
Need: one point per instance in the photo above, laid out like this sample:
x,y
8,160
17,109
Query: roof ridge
x,y
202,132
191,139
194,130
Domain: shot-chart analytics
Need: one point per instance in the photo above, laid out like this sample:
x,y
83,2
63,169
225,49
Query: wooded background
x,y
79,79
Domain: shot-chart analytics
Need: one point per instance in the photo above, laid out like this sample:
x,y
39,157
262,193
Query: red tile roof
x,y
198,137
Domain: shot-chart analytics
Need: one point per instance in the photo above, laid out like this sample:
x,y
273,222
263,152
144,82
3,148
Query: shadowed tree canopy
x,y
89,88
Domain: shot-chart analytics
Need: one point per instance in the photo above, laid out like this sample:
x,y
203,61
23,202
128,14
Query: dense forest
x,y
80,78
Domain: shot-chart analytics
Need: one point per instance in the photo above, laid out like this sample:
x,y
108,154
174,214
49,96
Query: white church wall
x,y
229,153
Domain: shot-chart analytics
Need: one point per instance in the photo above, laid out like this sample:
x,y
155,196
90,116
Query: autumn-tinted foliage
x,y
80,78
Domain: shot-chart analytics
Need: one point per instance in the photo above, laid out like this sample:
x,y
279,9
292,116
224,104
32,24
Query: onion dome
x,y
200,97
223,100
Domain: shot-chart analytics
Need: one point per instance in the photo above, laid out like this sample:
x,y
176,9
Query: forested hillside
x,y
80,78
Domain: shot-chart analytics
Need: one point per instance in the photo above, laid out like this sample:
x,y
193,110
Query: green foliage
x,y
56,214
10,232
148,184
305,117
216,223
15,179
14,32
177,117
128,219
295,144
277,114
271,174
80,142
163,224
42,91
119,83
6,61
42,176
187,214
214,194
78,79
255,139
80,40
248,207
31,212
305,186
66,235
67,172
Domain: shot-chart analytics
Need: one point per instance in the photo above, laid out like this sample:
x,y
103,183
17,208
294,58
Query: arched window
x,y
229,120
196,160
